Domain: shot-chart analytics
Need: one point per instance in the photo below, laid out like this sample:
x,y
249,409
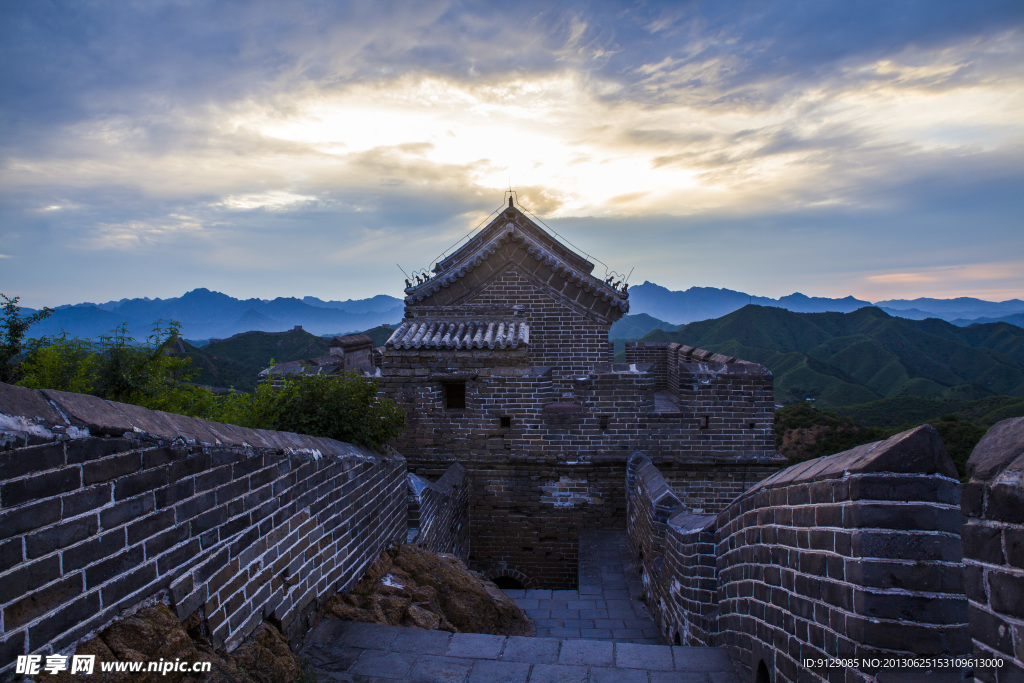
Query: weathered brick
x,y
70,616
195,506
128,583
160,542
150,526
126,510
60,536
84,450
22,461
108,569
38,486
991,629
171,560
175,492
93,550
11,554
28,578
155,457
111,467
1014,539
90,498
140,482
983,543
1006,593
12,644
41,601
1005,503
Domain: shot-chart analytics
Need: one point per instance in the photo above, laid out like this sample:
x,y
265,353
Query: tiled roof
x,y
351,340
538,252
460,335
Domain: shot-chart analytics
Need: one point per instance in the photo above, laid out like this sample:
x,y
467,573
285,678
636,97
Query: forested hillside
x,y
841,359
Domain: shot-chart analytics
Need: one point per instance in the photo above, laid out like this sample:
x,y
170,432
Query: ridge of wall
x,y
103,505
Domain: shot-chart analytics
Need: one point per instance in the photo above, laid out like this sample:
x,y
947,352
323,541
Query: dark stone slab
x,y
29,404
915,451
95,414
1000,446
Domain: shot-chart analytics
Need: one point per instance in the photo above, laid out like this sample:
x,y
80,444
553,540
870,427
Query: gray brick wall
x,y
676,551
103,505
993,539
853,555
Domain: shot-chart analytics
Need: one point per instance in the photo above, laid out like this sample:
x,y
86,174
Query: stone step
x,y
351,651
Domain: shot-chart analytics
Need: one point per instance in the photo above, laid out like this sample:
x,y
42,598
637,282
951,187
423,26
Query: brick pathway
x,y
607,605
351,651
601,633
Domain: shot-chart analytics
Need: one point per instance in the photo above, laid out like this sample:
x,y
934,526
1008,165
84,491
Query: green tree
x,y
346,408
119,368
60,363
259,409
13,335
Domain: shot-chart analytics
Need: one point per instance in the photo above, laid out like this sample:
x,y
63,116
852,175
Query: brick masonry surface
x,y
853,555
103,505
439,512
547,426
993,538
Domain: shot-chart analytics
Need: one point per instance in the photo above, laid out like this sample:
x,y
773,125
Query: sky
x,y
265,149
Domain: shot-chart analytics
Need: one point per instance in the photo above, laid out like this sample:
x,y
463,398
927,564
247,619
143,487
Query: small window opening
x,y
602,422
704,420
508,583
506,422
454,395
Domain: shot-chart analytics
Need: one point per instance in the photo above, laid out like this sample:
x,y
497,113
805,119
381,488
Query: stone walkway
x,y
600,633
364,653
607,605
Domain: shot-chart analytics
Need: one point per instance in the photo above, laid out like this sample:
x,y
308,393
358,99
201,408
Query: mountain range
x,y
840,359
705,303
205,314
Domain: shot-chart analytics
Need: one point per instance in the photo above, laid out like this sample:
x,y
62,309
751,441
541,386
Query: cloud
x,y
901,278
334,135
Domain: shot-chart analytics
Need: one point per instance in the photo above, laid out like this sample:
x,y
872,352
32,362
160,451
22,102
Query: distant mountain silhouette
x,y
706,303
205,314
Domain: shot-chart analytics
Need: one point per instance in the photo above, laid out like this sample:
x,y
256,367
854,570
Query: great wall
x,y
522,438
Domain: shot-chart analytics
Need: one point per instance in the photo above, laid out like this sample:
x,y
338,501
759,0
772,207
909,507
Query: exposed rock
x,y
153,633
265,657
410,586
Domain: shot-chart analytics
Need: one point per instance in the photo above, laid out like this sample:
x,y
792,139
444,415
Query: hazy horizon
x,y
400,296
264,149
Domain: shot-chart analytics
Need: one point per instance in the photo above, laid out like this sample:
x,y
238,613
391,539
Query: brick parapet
x,y
103,505
675,549
442,507
993,542
856,555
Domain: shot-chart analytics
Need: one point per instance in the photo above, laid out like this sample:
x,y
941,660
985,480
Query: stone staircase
x,y
601,632
351,651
